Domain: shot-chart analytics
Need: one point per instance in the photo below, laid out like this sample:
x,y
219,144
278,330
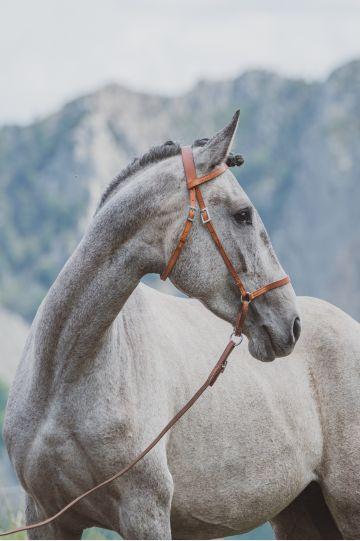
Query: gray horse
x,y
102,373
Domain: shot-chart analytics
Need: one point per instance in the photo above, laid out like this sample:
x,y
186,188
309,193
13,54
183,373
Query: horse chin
x,y
261,350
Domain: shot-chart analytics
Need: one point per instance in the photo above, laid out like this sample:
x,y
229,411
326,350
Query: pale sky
x,y
53,50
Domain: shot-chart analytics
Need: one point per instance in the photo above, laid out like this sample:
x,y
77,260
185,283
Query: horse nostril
x,y
296,329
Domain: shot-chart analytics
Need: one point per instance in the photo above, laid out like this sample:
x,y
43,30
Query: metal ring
x,y
245,297
236,339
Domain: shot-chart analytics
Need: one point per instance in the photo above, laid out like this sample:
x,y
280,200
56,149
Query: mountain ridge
x,y
299,139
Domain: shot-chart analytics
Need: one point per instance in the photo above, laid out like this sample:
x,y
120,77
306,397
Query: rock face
x,y
13,334
301,145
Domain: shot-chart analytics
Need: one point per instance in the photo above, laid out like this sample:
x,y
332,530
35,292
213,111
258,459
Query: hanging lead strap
x,y
214,374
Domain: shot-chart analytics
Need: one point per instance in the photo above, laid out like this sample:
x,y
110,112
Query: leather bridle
x,y
193,183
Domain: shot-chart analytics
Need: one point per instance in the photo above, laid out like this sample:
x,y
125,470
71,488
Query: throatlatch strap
x,y
185,232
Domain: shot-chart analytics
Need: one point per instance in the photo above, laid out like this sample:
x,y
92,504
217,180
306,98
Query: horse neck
x,y
73,320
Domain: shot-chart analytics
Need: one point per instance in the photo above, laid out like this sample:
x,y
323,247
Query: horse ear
x,y
217,149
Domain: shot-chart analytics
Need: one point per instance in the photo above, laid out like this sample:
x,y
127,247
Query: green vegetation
x,y
13,520
41,203
3,398
99,533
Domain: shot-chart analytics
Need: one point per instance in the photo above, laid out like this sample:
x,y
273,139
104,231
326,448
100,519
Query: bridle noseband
x,y
193,183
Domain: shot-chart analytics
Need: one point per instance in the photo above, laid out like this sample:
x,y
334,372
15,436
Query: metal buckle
x,y
189,217
202,215
236,339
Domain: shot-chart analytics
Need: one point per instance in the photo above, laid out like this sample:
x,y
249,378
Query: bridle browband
x,y
193,183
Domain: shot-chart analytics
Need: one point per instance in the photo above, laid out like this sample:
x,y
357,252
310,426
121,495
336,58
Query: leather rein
x,y
195,195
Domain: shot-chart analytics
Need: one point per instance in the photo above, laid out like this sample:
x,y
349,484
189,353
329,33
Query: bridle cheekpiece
x,y
193,185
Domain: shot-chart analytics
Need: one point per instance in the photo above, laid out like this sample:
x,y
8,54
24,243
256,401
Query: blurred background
x,y
88,85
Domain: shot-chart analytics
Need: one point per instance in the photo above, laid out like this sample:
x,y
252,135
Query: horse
x,y
275,441
108,362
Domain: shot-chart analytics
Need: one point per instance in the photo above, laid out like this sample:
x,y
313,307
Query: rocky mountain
x,y
301,145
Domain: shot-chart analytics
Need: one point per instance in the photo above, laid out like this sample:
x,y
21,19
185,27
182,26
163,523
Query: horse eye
x,y
243,216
